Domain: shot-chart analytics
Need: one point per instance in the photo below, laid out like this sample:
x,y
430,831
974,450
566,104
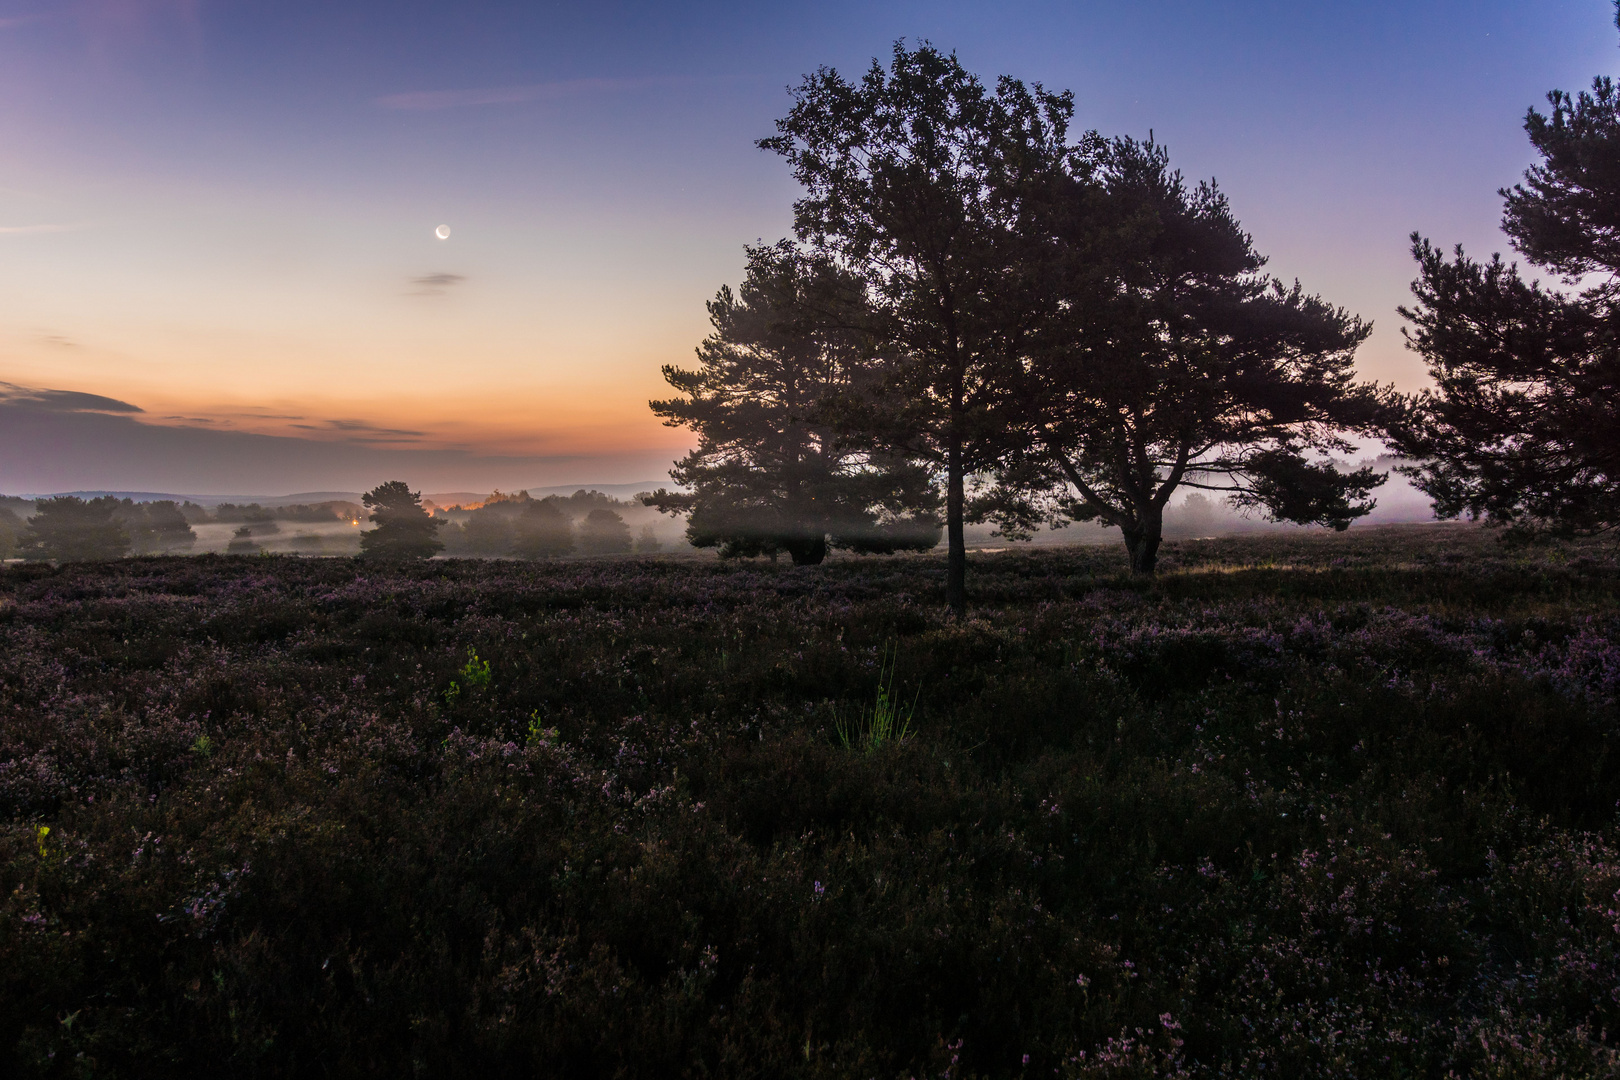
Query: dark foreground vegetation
x,y
1308,807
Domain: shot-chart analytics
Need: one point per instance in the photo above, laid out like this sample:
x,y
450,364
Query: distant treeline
x,y
253,513
521,526
68,528
72,529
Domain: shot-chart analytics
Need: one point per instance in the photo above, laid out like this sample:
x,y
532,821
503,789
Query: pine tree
x,y
1174,361
71,529
603,532
542,531
1523,425
771,472
915,180
401,529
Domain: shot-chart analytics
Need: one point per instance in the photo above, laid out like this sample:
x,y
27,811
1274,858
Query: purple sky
x,y
221,213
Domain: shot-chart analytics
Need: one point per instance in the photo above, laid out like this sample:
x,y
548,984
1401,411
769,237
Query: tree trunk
x,y
956,556
1142,540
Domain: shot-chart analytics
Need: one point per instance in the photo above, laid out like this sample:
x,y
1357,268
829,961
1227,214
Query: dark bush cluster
x,y
1310,807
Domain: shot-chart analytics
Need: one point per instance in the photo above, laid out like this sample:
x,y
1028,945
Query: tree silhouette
x,y
915,181
71,529
242,542
603,532
770,472
541,531
1174,361
401,528
11,532
1523,425
155,526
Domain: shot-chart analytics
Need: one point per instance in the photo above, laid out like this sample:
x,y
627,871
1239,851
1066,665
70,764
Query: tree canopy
x,y
541,530
401,529
603,532
1523,425
974,300
70,529
918,182
1174,361
770,472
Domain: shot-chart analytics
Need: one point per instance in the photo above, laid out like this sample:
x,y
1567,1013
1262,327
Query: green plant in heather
x,y
474,676
203,745
538,732
886,721
475,672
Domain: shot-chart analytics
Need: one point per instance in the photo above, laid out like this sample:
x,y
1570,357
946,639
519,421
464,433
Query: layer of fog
x,y
332,522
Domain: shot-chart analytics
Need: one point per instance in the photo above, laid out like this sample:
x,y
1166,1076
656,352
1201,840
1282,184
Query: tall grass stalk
x,y
887,720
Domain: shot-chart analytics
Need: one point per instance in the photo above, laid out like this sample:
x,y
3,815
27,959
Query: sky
x,y
219,271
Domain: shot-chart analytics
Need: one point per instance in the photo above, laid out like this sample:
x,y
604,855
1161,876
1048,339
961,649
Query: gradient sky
x,y
220,213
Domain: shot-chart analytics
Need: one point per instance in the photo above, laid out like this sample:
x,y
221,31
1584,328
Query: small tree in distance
x,y
401,528
603,532
542,531
11,532
242,542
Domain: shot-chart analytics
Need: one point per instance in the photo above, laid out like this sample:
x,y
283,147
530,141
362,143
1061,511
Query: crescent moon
x,y
442,232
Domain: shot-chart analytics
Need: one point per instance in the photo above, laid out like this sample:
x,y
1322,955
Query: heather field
x,y
1307,805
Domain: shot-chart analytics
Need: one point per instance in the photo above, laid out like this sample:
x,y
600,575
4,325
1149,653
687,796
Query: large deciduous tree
x,y
1523,425
401,529
916,181
1174,361
770,473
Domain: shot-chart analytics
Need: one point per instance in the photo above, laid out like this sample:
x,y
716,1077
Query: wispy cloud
x,y
424,100
27,397
361,431
435,284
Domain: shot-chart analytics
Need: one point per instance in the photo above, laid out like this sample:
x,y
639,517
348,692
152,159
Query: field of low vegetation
x,y
1303,806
